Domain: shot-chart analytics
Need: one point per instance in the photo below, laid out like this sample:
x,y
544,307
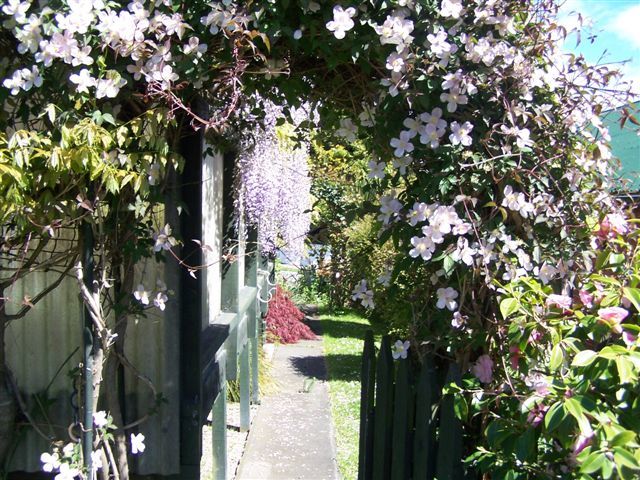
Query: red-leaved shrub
x,y
284,320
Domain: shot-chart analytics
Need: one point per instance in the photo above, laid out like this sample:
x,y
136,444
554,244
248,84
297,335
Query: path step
x,y
292,435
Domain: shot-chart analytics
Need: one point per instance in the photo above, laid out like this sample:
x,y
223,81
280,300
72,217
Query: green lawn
x,y
343,334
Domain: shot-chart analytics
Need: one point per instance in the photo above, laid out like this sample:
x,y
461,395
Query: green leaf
x,y
497,432
13,172
525,444
127,178
554,416
448,264
573,407
460,407
633,295
584,358
557,357
625,370
107,117
623,438
112,184
593,463
609,353
616,259
602,259
624,457
508,306
607,468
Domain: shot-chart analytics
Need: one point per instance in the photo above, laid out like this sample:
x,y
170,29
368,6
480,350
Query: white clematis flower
x,y
400,349
141,295
402,144
447,298
50,461
137,443
341,22
460,133
83,80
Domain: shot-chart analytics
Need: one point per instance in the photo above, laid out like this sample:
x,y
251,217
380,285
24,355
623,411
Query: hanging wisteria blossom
x,y
274,188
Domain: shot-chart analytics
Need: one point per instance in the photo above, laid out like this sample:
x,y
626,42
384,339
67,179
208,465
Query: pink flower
x,y
628,338
538,383
613,316
586,298
535,336
536,414
617,223
561,301
613,224
583,440
483,369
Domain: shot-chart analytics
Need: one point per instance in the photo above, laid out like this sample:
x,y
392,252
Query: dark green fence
x,y
408,429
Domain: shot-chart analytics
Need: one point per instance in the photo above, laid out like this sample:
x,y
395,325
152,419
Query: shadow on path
x,y
311,366
345,367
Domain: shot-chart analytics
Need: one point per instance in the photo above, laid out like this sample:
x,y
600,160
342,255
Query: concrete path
x,y
292,434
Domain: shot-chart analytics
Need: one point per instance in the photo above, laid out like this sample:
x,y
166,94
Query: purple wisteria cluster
x,y
273,187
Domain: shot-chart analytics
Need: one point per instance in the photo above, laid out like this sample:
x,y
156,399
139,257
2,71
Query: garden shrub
x,y
564,401
284,320
310,286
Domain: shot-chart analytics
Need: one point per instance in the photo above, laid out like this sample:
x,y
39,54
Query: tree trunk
x,y
113,405
7,400
123,289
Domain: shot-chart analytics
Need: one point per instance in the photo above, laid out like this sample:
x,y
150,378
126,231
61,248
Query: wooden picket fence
x,y
408,429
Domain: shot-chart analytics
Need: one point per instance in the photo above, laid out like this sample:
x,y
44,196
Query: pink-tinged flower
x,y
538,383
447,298
160,300
613,224
458,320
617,223
514,358
561,301
96,460
141,295
535,336
483,369
586,298
583,441
536,414
164,240
628,338
613,316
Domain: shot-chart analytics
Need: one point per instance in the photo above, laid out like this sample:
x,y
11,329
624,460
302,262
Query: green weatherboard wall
x,y
625,144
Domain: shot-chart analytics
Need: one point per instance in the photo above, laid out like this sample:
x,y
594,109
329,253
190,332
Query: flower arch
x,y
489,157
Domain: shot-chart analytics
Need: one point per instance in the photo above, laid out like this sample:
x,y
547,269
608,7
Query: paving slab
x,y
292,434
